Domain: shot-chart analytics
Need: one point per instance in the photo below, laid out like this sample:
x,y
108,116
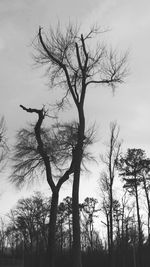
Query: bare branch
x,y
78,56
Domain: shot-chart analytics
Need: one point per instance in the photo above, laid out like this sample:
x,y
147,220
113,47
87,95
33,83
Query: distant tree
x,y
145,177
125,212
66,218
60,225
131,169
73,66
89,211
104,189
110,159
2,236
30,219
123,216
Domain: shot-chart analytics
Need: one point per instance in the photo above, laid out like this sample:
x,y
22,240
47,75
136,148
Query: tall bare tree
x,y
111,160
73,66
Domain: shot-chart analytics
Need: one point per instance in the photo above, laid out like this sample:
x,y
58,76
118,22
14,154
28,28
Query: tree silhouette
x,y
30,218
46,156
89,211
110,160
131,169
73,66
51,151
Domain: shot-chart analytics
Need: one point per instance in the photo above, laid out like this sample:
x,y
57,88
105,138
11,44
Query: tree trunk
x,y
111,227
108,232
70,234
61,236
138,214
76,248
148,203
52,231
139,227
91,234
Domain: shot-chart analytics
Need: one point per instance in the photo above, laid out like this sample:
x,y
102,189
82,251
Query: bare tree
x,y
29,218
73,66
110,160
44,156
2,235
51,151
89,211
65,223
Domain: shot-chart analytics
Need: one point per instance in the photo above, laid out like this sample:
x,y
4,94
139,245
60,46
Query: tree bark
x,y
139,226
111,226
76,248
70,234
138,214
108,232
148,203
52,231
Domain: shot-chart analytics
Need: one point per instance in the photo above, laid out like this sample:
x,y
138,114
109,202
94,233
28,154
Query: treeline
x,y
25,235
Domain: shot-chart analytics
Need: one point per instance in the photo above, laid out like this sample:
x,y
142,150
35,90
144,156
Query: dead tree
x,y
29,165
110,159
73,66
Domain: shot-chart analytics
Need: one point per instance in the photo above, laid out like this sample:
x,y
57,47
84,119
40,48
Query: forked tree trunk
x,y
52,231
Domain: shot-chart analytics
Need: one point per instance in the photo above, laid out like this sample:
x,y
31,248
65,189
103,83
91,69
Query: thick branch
x,y
78,56
54,59
31,110
70,86
41,149
85,53
65,177
104,81
75,86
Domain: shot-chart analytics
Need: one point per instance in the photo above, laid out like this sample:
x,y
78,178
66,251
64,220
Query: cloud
x,y
2,44
130,23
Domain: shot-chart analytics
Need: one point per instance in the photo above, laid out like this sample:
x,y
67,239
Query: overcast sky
x,y
21,83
